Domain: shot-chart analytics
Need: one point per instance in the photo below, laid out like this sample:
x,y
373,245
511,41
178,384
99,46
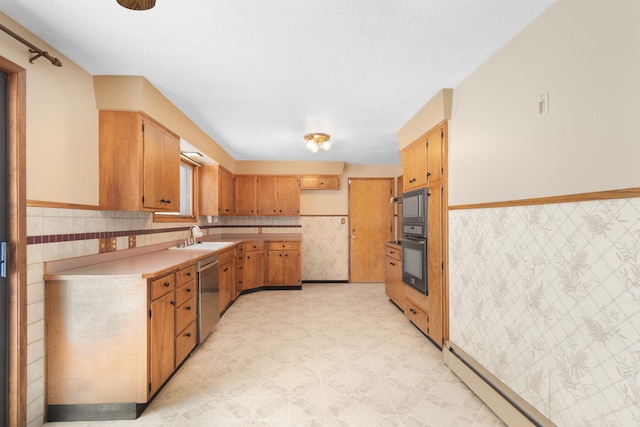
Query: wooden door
x,y
370,226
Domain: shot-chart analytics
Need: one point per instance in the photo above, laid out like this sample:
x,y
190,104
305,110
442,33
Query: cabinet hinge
x,y
442,265
149,388
441,134
149,313
143,131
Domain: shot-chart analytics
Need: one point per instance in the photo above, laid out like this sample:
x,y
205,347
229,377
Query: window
x,y
188,174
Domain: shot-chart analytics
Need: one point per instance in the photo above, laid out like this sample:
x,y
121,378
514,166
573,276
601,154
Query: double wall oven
x,y
414,240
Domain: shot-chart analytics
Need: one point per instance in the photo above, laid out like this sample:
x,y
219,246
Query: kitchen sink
x,y
204,246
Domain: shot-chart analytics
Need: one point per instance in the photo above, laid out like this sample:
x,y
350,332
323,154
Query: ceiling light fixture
x,y
137,4
315,141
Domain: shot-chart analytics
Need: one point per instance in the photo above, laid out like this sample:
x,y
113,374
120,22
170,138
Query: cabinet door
x,y
253,270
288,196
320,182
435,145
161,165
245,195
227,282
276,268
414,159
435,263
225,192
208,190
291,270
162,341
267,195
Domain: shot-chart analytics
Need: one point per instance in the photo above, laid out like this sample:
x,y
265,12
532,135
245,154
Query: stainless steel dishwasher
x,y
208,296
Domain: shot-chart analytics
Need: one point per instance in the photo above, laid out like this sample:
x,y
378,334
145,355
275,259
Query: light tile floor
x,y
328,355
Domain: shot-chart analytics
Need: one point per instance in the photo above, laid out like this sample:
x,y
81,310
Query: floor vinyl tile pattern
x,y
326,355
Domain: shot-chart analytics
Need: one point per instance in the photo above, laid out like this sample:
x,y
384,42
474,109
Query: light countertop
x,y
153,263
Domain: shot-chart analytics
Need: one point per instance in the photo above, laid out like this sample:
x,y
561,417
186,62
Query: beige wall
x,y
135,93
438,109
62,124
584,55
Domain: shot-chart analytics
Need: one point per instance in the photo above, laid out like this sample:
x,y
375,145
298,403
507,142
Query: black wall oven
x,y
414,240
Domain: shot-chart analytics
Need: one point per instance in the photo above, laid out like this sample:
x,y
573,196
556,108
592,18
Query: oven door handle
x,y
417,242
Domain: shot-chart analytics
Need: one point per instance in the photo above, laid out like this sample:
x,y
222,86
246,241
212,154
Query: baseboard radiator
x,y
503,401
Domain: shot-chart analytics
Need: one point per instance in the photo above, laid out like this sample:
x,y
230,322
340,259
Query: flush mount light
x,y
191,154
137,4
315,141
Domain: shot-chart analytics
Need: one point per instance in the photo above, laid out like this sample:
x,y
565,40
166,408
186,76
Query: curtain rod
x,y
32,48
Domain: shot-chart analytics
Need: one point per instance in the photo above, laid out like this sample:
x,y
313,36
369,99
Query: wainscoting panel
x,y
547,298
325,248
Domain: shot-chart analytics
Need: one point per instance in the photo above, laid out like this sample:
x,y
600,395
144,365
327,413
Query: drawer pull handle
x,y
167,284
188,334
392,264
189,274
188,290
225,269
173,303
188,307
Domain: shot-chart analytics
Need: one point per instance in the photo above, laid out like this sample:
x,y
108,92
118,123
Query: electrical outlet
x,y
132,242
107,244
341,220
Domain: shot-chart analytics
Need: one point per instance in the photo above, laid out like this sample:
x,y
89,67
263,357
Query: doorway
x,y
14,214
4,234
370,225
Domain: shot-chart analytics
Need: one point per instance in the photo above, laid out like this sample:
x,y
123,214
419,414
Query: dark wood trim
x,y
47,204
16,159
581,197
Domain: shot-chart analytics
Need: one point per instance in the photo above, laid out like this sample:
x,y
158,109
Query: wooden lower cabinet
x,y
393,285
284,264
138,330
239,269
162,333
254,266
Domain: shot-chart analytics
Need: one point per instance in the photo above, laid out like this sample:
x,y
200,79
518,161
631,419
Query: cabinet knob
x,y
188,290
173,303
163,201
168,201
226,210
225,269
392,263
167,284
188,307
189,274
188,334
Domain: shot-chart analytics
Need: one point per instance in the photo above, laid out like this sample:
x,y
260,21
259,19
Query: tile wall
x,y
325,248
547,298
54,234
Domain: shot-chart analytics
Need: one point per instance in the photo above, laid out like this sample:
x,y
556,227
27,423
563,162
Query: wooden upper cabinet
x,y
435,154
139,163
288,195
414,164
215,191
245,195
320,182
225,192
267,195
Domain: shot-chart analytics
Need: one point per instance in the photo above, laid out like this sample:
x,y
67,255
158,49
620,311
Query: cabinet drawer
x,y
284,246
185,342
162,286
185,314
183,293
416,315
226,256
185,275
393,252
254,246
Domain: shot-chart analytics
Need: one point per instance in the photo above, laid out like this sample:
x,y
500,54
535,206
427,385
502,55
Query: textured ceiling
x,y
257,75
